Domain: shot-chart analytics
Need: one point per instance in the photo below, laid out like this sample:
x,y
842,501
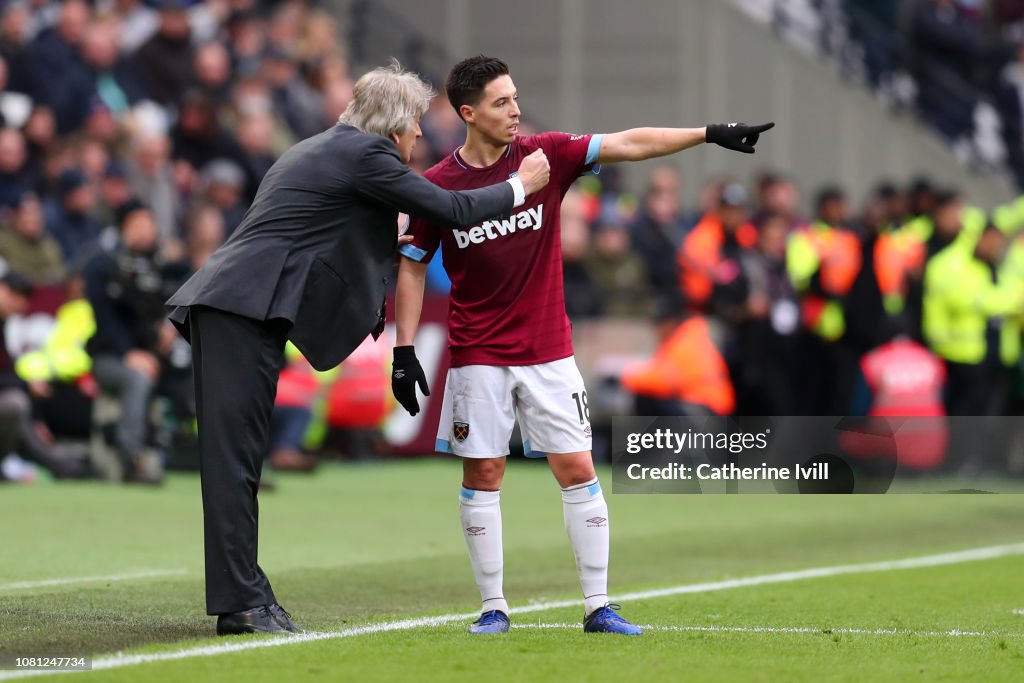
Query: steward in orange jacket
x,y
687,371
710,253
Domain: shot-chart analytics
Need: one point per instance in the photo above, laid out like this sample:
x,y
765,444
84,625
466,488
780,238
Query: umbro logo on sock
x,y
476,530
594,521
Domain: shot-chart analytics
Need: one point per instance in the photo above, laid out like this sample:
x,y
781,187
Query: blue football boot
x,y
491,622
605,620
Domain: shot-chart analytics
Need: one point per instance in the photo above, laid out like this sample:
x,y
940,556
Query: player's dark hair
x,y
467,79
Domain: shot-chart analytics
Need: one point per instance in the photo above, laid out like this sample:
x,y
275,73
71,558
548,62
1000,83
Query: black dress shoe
x,y
284,619
255,620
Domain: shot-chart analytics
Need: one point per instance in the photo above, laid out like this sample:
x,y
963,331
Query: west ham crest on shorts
x,y
460,430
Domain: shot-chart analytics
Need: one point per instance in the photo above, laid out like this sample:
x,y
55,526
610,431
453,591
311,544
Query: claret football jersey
x,y
507,304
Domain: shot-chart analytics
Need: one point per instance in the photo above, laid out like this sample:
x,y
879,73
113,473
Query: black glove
x,y
405,374
736,136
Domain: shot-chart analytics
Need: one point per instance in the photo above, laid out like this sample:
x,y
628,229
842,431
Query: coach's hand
x,y
736,136
535,171
405,375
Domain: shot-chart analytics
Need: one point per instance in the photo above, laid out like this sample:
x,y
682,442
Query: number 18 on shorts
x,y
482,402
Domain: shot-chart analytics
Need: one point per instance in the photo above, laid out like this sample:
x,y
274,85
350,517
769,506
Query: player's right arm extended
x,y
406,372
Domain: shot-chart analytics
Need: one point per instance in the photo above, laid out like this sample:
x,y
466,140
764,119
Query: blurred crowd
x,y
134,133
909,303
965,60
956,63
133,136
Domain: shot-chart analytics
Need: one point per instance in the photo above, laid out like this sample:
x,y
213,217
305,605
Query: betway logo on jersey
x,y
531,219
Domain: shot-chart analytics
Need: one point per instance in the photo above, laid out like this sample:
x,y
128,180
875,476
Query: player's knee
x,y
572,469
483,474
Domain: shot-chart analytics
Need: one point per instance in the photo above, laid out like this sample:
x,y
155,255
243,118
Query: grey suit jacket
x,y
317,245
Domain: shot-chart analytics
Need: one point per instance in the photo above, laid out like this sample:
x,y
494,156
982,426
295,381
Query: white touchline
x,y
972,555
817,630
820,631
46,583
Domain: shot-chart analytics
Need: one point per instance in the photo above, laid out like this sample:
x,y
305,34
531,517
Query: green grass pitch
x,y
358,552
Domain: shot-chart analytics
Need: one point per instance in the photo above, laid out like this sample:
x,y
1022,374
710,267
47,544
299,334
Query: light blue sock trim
x,y
582,493
478,498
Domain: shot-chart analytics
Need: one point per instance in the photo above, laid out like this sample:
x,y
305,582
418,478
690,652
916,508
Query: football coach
x,y
309,263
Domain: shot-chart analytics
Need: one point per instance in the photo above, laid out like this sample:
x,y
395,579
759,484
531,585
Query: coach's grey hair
x,y
387,100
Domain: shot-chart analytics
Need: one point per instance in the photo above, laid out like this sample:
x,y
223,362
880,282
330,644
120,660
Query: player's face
x,y
407,140
496,116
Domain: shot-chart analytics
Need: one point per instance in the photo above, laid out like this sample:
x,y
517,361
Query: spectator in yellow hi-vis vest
x,y
973,300
823,261
61,368
18,433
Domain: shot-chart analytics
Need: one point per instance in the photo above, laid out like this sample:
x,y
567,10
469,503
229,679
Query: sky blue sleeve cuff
x,y
594,149
413,252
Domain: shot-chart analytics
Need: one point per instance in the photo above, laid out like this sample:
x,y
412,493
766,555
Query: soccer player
x,y
511,348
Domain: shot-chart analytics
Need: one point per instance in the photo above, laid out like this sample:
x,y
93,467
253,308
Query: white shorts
x,y
482,402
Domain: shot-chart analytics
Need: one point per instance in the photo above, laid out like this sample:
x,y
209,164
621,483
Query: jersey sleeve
x,y
570,155
426,239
